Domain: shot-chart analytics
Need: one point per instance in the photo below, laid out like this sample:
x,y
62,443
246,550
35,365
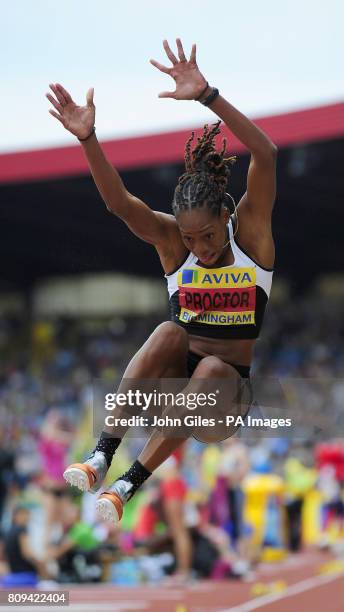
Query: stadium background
x,y
70,311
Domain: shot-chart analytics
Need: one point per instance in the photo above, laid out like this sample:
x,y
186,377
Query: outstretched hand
x,y
79,120
189,81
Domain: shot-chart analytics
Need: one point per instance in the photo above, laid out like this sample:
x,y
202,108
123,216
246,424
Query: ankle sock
x,y
136,476
108,445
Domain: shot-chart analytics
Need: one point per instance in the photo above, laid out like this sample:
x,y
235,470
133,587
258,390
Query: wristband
x,y
89,136
202,93
212,96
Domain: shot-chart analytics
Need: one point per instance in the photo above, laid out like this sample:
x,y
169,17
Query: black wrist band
x,y
202,93
89,136
209,99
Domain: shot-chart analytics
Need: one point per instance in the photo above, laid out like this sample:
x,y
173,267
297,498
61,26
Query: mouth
x,y
208,259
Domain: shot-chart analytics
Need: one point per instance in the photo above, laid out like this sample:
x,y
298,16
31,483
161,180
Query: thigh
x,y
226,415
163,354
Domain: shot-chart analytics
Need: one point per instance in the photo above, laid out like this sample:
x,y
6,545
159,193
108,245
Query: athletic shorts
x,y
193,361
173,488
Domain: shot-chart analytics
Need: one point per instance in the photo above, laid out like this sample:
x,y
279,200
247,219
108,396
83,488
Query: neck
x,y
228,239
225,250
225,247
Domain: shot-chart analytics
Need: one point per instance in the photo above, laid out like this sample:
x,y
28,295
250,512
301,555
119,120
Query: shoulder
x,y
171,250
254,234
171,233
166,218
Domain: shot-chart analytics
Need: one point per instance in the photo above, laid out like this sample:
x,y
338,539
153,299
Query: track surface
x,y
298,583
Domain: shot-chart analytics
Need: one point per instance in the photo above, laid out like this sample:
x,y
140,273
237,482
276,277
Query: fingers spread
x,y
181,53
167,94
193,54
56,115
64,92
89,96
55,103
58,94
169,53
160,66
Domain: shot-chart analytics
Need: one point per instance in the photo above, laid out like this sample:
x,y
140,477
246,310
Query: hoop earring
x,y
235,212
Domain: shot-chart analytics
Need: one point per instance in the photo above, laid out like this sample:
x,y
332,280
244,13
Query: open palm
x,y
188,79
79,120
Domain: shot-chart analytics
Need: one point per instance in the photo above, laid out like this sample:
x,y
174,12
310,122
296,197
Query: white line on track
x,y
122,606
108,592
294,589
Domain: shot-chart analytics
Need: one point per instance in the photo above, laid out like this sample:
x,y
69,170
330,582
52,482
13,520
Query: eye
x,y
210,236
187,238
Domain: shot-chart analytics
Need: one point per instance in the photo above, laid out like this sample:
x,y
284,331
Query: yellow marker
x,y
265,588
259,588
181,608
278,586
332,567
272,555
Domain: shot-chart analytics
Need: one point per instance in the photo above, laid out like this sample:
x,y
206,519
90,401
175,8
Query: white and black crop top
x,y
227,302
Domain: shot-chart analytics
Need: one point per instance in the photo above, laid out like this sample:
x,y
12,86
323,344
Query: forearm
x,y
106,177
35,561
55,552
247,132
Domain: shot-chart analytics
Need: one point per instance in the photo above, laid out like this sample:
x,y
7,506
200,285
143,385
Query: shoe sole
x,y
109,507
80,475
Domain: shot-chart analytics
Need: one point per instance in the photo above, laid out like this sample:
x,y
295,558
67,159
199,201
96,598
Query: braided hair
x,y
207,172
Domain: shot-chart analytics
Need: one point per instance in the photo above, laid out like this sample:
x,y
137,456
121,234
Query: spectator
x,y
77,551
53,447
20,557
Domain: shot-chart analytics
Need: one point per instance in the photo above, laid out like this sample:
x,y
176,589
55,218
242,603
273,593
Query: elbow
x,y
267,152
271,149
274,149
109,209
118,206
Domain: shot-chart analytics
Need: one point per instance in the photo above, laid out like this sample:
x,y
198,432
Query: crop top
x,y
227,302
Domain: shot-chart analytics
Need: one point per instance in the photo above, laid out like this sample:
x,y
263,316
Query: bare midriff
x,y
238,352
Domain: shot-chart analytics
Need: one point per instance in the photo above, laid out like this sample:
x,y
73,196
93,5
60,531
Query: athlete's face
x,y
204,234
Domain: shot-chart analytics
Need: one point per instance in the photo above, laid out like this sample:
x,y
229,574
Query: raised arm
x,y
255,207
254,232
151,226
257,202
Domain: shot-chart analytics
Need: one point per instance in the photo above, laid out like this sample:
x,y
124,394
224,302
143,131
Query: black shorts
x,y
193,361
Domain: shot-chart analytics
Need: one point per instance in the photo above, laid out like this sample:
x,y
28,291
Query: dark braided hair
x,y
207,172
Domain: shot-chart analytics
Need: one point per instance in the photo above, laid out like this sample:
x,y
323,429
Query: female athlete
x,y
218,284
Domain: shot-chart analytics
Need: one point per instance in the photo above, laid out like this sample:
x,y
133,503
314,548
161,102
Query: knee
x,y
169,339
211,367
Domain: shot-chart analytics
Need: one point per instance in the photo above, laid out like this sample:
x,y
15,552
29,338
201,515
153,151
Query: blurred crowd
x,y
211,510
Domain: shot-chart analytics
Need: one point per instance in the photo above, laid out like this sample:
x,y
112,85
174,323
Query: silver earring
x,y
234,212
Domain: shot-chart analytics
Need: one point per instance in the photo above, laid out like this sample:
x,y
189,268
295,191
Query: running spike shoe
x,y
87,476
109,506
